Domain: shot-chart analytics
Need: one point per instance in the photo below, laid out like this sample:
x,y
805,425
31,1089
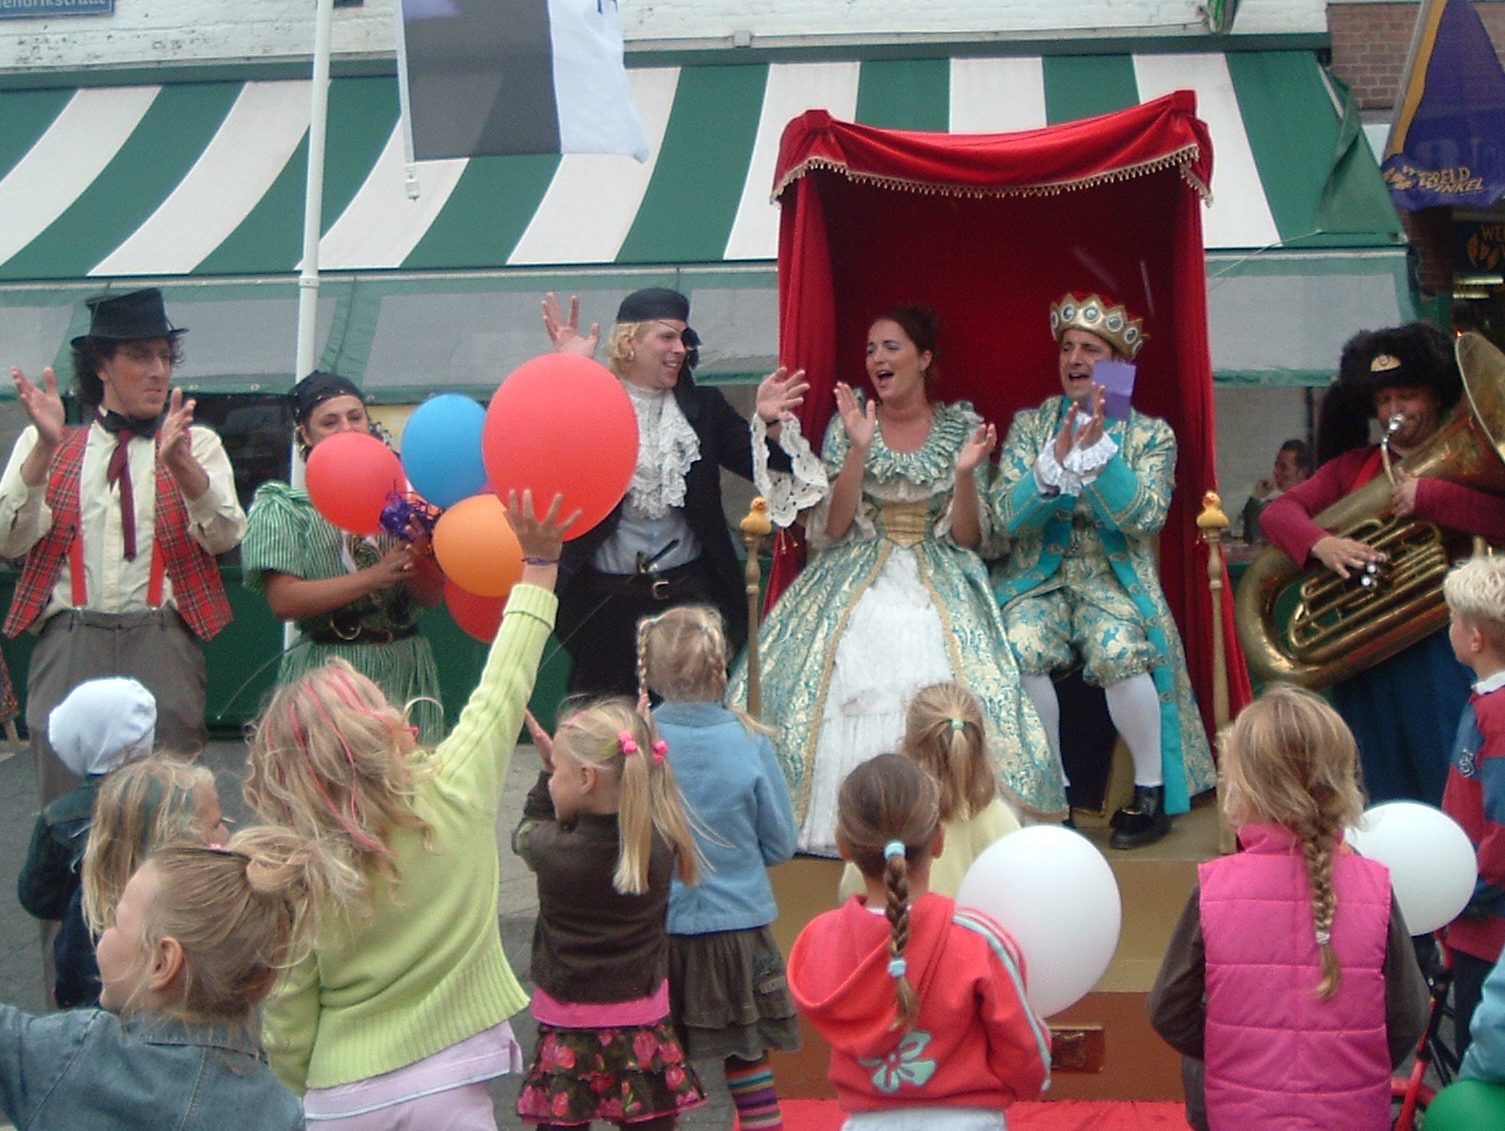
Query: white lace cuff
x,y
1052,477
787,492
1087,463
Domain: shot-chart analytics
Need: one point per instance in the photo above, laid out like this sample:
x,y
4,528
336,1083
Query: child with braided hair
x,y
603,829
1292,952
727,989
197,939
922,1002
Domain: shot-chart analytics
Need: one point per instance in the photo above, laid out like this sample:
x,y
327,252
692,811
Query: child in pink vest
x,y
1291,973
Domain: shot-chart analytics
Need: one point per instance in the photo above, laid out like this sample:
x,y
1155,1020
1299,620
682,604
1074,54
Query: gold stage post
x,y
1212,522
755,527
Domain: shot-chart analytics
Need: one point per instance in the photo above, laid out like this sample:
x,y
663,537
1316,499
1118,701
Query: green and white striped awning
x,y
198,186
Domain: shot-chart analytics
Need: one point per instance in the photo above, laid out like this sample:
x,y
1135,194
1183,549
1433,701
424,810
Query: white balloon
x,y
1431,861
1051,889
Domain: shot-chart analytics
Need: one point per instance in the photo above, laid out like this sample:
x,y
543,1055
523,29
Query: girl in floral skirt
x,y
604,829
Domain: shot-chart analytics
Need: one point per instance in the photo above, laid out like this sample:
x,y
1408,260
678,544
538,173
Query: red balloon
x,y
562,424
475,547
351,476
479,616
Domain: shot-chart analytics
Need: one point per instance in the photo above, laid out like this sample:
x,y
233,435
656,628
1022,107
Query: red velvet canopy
x,y
989,229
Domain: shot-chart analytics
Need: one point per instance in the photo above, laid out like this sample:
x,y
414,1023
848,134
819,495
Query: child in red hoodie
x,y
922,1002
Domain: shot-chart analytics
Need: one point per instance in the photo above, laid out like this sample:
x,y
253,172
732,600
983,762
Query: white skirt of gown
x,y
892,647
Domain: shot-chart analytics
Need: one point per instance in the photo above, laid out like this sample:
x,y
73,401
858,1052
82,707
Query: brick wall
x,y
1370,43
153,32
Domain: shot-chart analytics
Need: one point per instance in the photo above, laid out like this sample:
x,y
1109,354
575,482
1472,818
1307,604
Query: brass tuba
x,y
1314,628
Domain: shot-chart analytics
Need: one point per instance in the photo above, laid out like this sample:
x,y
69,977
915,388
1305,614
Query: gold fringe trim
x,y
1182,159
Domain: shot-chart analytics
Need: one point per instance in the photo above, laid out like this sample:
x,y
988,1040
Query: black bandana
x,y
317,388
653,303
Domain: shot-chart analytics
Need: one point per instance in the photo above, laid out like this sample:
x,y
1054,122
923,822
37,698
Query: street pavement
x,y
20,945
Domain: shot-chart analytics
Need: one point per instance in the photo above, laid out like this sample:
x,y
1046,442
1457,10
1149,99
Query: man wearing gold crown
x,y
1404,711
1082,498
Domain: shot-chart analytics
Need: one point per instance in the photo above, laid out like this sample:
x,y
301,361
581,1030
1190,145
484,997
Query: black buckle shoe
x,y
1143,821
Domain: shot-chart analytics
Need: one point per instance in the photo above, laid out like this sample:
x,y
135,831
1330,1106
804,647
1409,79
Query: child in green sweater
x,y
399,1015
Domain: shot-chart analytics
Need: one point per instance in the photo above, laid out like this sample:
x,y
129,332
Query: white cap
x,y
103,724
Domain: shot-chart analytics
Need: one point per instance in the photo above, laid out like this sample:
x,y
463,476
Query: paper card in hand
x,y
1117,380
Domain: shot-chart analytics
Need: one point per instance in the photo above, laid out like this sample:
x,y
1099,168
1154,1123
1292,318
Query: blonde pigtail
x,y
634,818
672,819
944,732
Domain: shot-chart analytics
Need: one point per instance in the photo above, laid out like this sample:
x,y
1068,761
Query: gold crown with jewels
x,y
1113,324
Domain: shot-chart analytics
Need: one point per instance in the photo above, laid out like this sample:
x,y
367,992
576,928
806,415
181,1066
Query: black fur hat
x,y
1415,356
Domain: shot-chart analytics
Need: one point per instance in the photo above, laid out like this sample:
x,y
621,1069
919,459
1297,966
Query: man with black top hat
x,y
119,522
667,542
1404,711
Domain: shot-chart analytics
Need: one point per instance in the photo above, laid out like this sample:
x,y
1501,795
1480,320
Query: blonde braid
x,y
645,632
1317,847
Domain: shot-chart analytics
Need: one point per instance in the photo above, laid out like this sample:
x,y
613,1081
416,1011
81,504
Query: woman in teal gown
x,y
894,596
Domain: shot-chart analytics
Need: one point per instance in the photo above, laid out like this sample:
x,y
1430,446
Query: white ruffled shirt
x,y
653,514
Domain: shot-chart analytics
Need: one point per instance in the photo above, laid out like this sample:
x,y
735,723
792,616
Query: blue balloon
x,y
441,449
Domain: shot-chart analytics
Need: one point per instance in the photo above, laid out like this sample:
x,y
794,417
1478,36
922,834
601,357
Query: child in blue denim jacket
x,y
197,939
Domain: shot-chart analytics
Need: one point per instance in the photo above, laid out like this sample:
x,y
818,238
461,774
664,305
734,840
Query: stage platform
x,y
1104,1046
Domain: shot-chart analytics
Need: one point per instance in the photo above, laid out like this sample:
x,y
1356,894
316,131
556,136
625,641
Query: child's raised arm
x,y
483,739
538,809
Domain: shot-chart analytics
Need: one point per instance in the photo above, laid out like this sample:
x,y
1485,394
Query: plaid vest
x,y
197,589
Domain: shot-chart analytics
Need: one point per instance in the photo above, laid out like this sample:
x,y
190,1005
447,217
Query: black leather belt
x,y
363,634
653,586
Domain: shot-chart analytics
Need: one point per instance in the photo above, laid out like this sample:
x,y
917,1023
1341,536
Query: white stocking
x,y
1041,690
1134,707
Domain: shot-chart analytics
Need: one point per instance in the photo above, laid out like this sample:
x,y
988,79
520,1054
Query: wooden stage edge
x,y
1134,1063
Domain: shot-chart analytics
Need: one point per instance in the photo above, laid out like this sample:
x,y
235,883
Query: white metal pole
x,y
404,107
313,214
313,199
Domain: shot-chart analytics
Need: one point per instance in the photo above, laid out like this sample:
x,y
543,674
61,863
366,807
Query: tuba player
x,y
1403,711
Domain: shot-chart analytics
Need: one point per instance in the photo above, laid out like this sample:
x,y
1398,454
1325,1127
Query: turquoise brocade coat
x,y
1126,505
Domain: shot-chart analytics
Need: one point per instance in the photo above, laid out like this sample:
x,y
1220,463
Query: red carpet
x,y
1062,1115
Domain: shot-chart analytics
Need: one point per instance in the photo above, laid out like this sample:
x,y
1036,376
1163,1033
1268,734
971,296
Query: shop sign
x,y
34,9
1479,247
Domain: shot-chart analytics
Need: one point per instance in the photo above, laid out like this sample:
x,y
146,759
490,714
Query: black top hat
x,y
129,317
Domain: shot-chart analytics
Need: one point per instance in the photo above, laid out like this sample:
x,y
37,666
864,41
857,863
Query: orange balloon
x,y
562,424
479,616
350,478
476,548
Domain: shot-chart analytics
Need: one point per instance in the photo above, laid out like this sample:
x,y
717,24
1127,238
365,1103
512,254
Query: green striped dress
x,y
285,534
